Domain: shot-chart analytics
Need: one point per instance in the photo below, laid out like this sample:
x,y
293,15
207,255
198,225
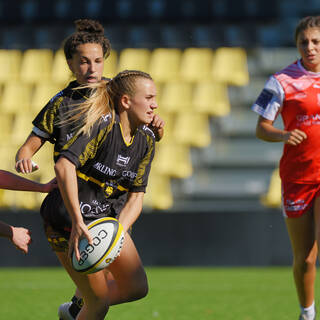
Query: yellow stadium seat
x,y
230,66
196,64
134,59
36,65
16,97
158,195
10,63
6,121
173,160
211,98
192,129
60,72
43,92
176,96
110,65
168,119
272,198
8,150
165,64
22,126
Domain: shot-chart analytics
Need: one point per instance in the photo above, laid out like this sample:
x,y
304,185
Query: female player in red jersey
x,y
20,237
123,143
294,92
85,52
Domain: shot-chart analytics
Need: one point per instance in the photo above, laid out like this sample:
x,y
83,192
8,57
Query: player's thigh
x,y
128,268
92,286
316,212
302,236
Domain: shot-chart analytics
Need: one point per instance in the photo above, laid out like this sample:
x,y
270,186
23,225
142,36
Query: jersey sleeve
x,y
141,181
269,103
44,122
83,147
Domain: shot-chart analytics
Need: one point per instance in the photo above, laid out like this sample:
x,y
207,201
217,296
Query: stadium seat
x,y
6,121
230,66
60,72
207,36
16,98
10,62
36,65
8,150
22,126
271,60
134,59
173,160
175,36
144,37
192,129
165,64
110,65
196,64
159,194
272,198
42,93
176,96
211,98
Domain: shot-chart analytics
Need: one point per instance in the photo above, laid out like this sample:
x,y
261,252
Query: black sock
x,y
76,306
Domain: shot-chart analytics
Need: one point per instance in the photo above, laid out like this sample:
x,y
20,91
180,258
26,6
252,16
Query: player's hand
x,y
26,166
21,238
48,187
79,230
157,125
294,137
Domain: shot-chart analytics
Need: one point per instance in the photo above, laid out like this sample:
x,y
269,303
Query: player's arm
x,y
157,126
12,181
131,210
267,132
68,186
24,163
20,237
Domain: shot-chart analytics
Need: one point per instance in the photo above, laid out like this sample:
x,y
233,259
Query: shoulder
x,y
293,70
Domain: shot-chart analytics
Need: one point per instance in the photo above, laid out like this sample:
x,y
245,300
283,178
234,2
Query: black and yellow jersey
x,y
47,122
107,169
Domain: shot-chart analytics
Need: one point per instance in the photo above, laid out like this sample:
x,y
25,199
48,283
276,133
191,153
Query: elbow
x,y
63,165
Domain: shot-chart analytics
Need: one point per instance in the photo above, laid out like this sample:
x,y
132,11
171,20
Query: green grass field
x,y
175,294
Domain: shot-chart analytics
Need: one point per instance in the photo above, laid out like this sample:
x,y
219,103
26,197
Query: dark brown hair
x,y
307,23
87,31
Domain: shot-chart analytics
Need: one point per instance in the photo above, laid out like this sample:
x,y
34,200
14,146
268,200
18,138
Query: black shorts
x,y
57,222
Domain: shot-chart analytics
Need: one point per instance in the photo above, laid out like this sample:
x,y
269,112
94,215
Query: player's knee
x,y
138,290
305,263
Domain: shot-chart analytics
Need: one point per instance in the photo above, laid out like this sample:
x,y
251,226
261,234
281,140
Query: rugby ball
x,y
107,240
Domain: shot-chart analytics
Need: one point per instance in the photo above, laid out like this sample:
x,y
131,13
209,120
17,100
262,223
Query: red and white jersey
x,y
294,92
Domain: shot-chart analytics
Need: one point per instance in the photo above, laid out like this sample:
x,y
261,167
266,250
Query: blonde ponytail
x,y
92,110
104,99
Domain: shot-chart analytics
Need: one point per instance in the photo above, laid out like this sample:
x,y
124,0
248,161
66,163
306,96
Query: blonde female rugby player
x,y
85,51
123,143
294,92
20,237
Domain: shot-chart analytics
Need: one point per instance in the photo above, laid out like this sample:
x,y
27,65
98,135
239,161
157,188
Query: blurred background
x,y
213,187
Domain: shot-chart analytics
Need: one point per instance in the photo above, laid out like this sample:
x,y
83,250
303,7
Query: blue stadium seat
x,y
144,37
20,38
50,37
209,36
118,36
176,36
237,35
